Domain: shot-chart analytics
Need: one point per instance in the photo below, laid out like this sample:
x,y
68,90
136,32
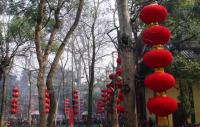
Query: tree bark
x,y
90,87
128,62
63,86
3,100
41,96
53,101
89,118
129,99
30,97
114,115
91,81
42,64
49,81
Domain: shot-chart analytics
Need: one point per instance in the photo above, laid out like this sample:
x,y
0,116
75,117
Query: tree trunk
x,y
78,70
128,62
3,100
42,63
49,82
53,100
91,83
89,119
30,98
63,87
90,87
113,114
129,99
41,96
115,120
43,58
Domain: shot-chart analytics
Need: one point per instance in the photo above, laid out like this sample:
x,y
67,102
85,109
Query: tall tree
x,y
43,56
125,47
91,40
14,33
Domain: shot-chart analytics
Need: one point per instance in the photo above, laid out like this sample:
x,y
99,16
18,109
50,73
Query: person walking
x,y
122,119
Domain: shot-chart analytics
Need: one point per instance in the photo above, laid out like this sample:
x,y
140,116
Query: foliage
x,y
20,28
183,20
184,99
186,105
184,68
184,23
54,47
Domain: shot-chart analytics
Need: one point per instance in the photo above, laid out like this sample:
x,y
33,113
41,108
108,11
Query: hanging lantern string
x,y
157,58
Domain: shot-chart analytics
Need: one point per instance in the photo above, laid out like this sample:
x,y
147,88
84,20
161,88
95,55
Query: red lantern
x,y
158,58
162,106
153,13
119,84
119,71
75,112
112,76
102,105
119,61
118,100
120,109
159,81
109,91
75,101
100,110
13,111
75,96
14,100
103,95
15,89
47,105
111,85
66,103
156,35
103,90
103,99
66,99
46,110
75,106
47,94
108,85
75,92
16,94
109,97
47,101
14,105
99,102
67,110
121,95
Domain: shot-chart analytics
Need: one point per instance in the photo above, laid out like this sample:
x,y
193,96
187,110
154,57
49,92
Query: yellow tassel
x,y
159,69
156,47
162,94
157,94
153,24
162,121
